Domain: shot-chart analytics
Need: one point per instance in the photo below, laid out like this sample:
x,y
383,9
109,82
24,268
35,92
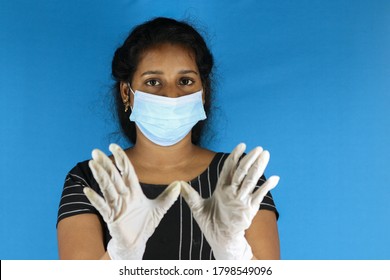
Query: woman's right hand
x,y
130,216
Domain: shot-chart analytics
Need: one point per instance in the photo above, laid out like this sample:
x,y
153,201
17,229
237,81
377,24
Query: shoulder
x,y
73,200
81,173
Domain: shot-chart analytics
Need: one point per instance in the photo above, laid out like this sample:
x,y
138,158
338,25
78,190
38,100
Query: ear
x,y
124,89
125,94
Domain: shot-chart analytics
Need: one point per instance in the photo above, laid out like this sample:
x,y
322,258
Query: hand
x,y
224,217
130,216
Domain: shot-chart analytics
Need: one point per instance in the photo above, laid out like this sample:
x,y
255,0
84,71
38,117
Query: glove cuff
x,y
122,253
236,250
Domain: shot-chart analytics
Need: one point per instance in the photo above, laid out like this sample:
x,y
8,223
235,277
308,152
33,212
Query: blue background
x,y
307,80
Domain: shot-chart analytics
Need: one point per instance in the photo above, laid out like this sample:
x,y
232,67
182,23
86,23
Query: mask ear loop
x,y
128,95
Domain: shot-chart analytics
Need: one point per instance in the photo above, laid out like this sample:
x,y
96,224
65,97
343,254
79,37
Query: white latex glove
x,y
224,217
130,216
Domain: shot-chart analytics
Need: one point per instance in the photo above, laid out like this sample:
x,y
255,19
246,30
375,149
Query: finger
x,y
191,196
258,195
104,181
254,174
168,196
106,163
98,202
245,165
230,165
127,170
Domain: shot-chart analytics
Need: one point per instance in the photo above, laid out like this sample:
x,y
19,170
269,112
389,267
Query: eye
x,y
152,83
186,82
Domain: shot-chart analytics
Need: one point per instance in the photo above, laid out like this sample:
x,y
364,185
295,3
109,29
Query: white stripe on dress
x,y
71,203
191,230
201,234
208,179
81,178
268,205
74,211
181,227
73,186
219,163
72,194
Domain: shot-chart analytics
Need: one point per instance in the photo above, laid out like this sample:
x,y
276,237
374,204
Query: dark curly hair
x,y
146,36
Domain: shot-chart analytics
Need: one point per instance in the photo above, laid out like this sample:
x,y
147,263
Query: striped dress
x,y
178,235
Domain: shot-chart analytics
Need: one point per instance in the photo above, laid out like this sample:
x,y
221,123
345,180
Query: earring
x,y
126,103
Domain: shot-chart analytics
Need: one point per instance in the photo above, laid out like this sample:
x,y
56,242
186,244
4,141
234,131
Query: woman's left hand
x,y
224,217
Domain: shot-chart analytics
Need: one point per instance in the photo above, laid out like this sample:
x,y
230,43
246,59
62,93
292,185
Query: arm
x,y
263,236
81,237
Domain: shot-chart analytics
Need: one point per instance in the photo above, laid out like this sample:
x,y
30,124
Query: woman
x,y
128,206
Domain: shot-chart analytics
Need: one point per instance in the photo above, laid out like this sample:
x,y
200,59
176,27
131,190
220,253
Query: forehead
x,y
167,55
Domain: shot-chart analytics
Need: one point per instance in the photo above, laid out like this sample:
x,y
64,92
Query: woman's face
x,y
167,70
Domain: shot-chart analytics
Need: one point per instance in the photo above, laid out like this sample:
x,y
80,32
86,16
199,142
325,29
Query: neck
x,y
148,154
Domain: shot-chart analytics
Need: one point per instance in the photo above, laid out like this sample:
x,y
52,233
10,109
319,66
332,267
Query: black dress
x,y
178,235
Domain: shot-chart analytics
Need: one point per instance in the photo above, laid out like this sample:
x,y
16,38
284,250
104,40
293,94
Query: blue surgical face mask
x,y
164,120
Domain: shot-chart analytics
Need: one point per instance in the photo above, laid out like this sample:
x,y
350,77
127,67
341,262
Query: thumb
x,y
259,194
168,196
99,203
190,195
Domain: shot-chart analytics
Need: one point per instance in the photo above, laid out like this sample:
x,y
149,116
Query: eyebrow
x,y
188,72
161,72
